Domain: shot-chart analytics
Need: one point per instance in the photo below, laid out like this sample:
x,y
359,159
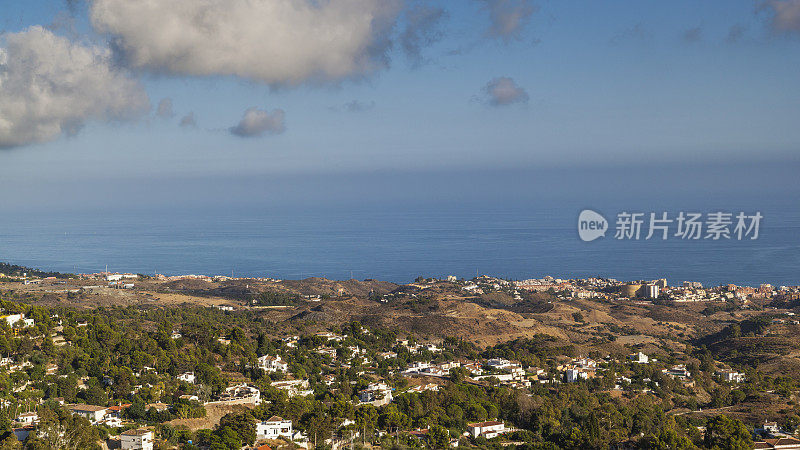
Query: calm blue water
x,y
517,229
387,245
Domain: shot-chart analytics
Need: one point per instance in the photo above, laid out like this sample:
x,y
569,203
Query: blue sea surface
x,y
520,230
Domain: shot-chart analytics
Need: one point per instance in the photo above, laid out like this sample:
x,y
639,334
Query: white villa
x,y
731,376
639,358
488,429
18,320
293,387
273,428
241,393
269,363
187,377
94,413
28,418
140,439
377,394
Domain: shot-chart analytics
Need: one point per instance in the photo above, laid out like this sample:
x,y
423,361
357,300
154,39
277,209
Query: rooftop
x,y
89,408
137,432
489,423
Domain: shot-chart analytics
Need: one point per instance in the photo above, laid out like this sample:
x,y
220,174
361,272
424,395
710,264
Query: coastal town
x,y
232,374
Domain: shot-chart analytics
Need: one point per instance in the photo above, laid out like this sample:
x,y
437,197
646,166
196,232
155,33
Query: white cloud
x,y
786,15
50,86
508,17
164,109
257,122
282,42
504,91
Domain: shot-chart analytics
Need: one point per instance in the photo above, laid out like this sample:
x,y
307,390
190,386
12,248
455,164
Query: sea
x,y
516,224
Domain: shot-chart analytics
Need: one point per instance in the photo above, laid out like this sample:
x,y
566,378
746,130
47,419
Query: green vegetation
x,y
132,356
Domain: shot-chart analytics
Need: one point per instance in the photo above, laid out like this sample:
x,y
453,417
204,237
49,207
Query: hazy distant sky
x,y
97,90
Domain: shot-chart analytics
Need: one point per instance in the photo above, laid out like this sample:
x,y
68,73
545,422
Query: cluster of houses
x,y
773,437
241,394
425,375
134,439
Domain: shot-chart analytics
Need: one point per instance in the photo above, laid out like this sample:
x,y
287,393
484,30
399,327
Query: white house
x,y
500,363
272,364
137,439
377,394
731,376
330,336
113,421
187,377
28,418
18,320
639,358
241,393
678,371
574,375
273,428
488,429
433,348
417,367
94,413
515,370
293,387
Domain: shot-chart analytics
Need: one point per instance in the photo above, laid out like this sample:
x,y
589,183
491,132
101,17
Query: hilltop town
x,y
129,361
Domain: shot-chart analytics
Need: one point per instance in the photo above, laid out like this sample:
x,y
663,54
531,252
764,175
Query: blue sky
x,y
604,83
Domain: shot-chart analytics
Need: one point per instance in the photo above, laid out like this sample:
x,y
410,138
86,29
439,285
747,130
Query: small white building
x,y
94,413
679,371
241,393
731,376
376,394
28,418
639,358
141,438
187,377
295,388
330,336
113,421
269,363
489,429
417,367
273,428
499,363
574,375
18,320
433,348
